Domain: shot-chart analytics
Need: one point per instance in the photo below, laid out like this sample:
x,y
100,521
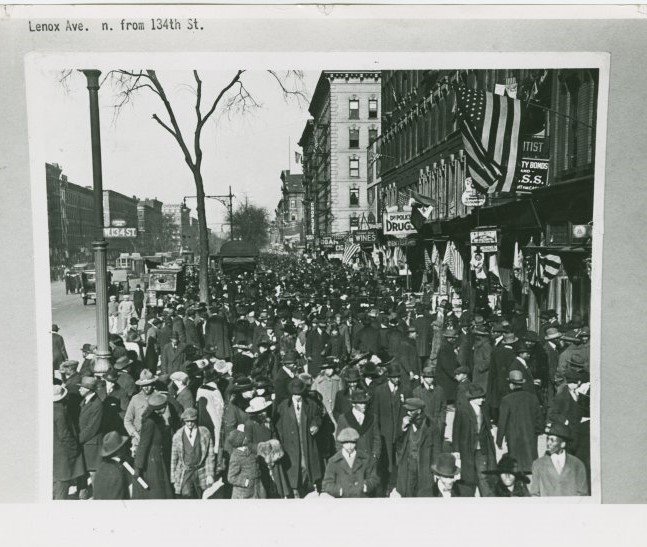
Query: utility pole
x,y
228,201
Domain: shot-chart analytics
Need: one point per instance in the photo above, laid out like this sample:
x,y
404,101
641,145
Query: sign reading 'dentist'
x,y
532,171
398,224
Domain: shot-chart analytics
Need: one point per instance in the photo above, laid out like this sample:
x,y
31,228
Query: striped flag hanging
x,y
428,262
404,197
350,250
490,126
547,266
435,258
453,261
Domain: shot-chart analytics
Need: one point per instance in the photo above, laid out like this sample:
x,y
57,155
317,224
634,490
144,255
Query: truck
x,y
236,257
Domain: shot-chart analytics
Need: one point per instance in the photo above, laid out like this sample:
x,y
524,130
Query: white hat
x,y
223,367
59,392
257,404
179,376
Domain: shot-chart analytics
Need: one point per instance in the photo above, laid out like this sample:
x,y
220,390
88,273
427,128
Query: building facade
x,y
346,112
421,148
149,226
290,211
180,216
120,210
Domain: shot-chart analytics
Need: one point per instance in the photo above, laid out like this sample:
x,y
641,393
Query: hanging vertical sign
x,y
532,169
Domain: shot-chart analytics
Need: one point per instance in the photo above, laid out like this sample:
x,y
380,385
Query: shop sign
x,y
398,224
310,238
532,170
120,232
485,239
364,236
401,243
471,197
328,242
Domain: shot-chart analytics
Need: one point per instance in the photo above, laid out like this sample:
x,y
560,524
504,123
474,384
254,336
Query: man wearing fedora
x,y
558,473
521,363
445,474
328,384
362,421
435,407
503,356
180,393
153,454
316,340
553,347
447,363
566,404
481,356
472,439
461,375
407,354
112,481
521,421
138,405
115,403
87,351
351,381
350,472
297,424
414,454
90,423
59,353
69,465
424,334
173,356
284,376
389,412
192,457
512,481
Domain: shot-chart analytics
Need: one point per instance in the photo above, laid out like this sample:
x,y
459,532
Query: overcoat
x,y
343,481
481,361
424,335
153,458
193,334
465,437
217,334
520,422
445,366
206,466
367,339
315,348
389,411
502,358
58,348
287,429
545,480
408,358
424,483
564,407
68,458
90,432
369,436
436,412
111,481
243,467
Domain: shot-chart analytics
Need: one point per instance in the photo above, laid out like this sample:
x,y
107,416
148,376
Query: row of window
x,y
353,137
353,109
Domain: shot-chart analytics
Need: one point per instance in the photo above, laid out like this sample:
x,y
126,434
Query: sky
x,y
245,150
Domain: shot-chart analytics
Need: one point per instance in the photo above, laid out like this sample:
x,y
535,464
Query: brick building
x,y
290,210
180,216
149,226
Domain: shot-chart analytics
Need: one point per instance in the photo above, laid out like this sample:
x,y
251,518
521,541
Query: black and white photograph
x,y
320,283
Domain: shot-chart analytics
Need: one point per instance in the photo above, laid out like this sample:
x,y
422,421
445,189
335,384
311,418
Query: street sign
x,y
398,224
113,231
118,222
486,239
401,242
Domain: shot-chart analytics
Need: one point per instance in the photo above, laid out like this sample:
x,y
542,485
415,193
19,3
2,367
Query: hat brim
x,y
146,382
436,471
249,410
105,453
62,395
553,336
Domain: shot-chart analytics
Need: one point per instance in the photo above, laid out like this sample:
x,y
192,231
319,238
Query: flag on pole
x,y
435,258
547,266
350,250
453,261
490,126
404,197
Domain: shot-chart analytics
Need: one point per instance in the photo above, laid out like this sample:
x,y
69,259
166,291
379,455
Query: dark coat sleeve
x,y
145,442
91,422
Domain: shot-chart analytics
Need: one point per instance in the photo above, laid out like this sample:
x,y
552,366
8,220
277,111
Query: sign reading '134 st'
x,y
119,231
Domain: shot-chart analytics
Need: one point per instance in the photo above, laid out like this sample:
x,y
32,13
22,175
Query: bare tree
x,y
233,98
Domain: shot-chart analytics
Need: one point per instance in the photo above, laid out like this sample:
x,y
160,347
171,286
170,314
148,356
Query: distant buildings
x,y
179,216
290,210
346,115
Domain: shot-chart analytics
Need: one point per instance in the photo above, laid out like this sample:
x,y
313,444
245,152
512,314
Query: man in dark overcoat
x,y
363,422
112,481
217,334
173,356
424,334
521,421
367,338
90,422
472,439
316,340
503,355
414,451
447,363
297,424
435,408
59,353
193,334
68,456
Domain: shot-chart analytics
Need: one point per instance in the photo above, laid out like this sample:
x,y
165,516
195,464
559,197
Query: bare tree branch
x,y
299,94
220,96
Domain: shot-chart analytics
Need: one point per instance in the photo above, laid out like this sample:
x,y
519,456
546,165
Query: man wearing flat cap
x,y
90,426
350,473
435,407
414,452
472,439
521,421
297,423
192,457
558,473
181,395
362,421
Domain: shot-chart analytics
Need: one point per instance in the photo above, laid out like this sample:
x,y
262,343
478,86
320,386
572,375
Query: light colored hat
x,y
146,378
157,400
179,376
552,333
189,415
59,393
348,435
257,404
223,367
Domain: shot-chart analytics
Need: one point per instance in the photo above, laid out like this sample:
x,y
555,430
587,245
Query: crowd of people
x,y
307,378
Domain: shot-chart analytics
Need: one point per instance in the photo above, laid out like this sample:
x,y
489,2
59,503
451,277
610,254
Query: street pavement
x,y
77,323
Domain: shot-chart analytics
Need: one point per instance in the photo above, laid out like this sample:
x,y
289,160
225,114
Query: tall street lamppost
x,y
100,245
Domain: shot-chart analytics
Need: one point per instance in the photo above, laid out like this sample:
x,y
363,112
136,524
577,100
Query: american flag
x,y
547,266
350,250
453,261
428,262
404,197
490,126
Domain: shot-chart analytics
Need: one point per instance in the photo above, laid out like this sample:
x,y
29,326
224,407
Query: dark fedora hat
x,y
112,375
352,375
507,464
122,362
394,370
445,465
560,428
297,386
242,384
112,442
370,371
474,392
359,396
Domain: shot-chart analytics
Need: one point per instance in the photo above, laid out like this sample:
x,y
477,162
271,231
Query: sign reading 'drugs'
x,y
398,224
